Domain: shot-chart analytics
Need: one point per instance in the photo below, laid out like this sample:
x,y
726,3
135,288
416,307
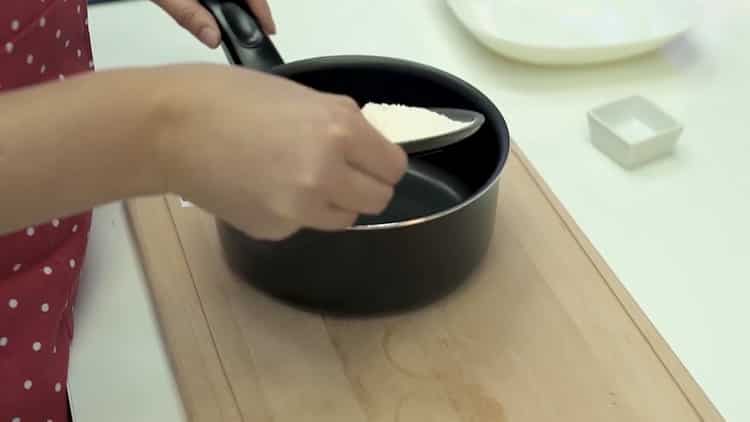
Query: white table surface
x,y
675,232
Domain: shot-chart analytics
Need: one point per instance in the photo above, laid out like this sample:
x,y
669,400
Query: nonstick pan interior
x,y
424,190
439,224
437,181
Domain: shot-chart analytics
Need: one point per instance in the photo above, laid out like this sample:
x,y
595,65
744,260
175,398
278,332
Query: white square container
x,y
633,131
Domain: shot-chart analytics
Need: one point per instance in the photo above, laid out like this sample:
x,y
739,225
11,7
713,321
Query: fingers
x,y
312,208
253,218
358,192
376,156
192,16
262,11
330,217
369,151
273,229
342,195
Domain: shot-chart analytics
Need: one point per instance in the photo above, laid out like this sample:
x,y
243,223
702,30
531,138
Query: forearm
x,y
69,146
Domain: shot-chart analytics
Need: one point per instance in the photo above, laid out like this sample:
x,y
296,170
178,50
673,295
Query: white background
x,y
675,232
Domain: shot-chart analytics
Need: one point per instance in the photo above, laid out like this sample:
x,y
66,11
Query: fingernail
x,y
209,36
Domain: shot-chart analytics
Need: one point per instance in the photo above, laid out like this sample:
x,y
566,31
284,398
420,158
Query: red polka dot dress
x,y
40,40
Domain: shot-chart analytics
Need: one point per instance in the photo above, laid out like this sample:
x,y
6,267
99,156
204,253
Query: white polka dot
x,y
56,223
47,270
15,24
50,420
78,9
3,341
8,47
13,303
54,349
36,346
27,385
30,231
43,68
16,268
78,53
67,43
43,22
58,387
61,76
72,263
16,419
30,59
75,228
45,307
58,33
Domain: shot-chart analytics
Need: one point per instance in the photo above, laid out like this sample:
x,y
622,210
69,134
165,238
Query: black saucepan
x,y
438,225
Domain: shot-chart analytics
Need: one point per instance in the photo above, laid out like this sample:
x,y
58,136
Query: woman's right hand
x,y
270,156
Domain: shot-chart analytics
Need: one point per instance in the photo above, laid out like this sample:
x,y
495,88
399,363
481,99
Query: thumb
x,y
192,16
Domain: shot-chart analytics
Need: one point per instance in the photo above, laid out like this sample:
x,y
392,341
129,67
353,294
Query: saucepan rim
x,y
369,61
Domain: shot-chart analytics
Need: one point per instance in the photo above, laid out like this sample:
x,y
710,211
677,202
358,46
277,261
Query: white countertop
x,y
674,232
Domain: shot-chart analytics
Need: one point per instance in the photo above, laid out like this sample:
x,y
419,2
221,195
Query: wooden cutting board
x,y
542,332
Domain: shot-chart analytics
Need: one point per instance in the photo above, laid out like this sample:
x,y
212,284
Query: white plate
x,y
567,32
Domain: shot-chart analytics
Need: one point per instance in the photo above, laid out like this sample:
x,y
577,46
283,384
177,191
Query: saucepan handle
x,y
243,40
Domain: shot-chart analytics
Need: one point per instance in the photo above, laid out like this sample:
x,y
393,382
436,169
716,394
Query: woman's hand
x,y
191,15
263,153
271,156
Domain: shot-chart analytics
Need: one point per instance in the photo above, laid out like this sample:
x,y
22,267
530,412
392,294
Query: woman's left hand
x,y
191,15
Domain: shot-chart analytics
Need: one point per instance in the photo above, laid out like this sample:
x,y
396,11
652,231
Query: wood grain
x,y
542,331
209,395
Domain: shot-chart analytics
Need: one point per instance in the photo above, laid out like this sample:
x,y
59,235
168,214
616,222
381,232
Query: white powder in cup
x,y
400,123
